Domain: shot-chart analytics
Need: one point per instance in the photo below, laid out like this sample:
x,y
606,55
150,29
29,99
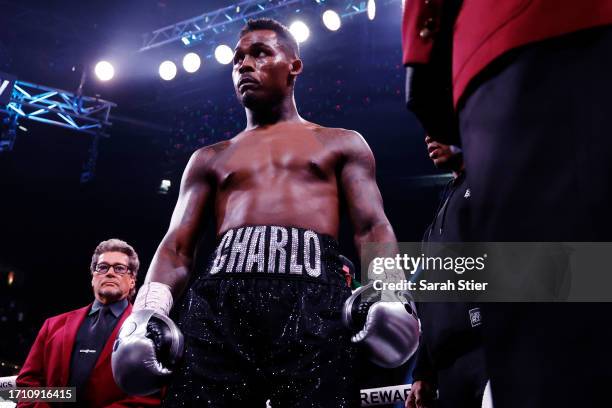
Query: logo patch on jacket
x,y
475,317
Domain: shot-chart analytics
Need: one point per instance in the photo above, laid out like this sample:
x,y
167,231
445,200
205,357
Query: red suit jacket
x,y
48,364
486,29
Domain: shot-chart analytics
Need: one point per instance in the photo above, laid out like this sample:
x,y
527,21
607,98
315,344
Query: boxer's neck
x,y
286,111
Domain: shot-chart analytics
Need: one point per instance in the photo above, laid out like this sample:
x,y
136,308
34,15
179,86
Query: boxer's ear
x,y
296,67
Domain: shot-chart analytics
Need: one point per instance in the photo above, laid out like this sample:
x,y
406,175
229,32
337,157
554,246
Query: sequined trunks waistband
x,y
275,252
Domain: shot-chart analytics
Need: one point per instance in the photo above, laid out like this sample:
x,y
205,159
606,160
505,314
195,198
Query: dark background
x,y
50,223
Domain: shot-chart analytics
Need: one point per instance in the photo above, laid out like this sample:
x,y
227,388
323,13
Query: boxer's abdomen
x,y
310,206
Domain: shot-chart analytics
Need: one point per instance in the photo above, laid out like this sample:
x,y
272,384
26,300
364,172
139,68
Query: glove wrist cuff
x,y
154,296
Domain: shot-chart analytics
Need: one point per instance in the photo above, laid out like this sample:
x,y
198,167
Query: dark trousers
x,y
462,384
536,131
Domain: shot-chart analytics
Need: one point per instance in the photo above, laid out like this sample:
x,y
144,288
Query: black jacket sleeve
x,y
423,367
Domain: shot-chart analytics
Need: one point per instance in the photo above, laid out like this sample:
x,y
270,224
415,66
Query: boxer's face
x,y
443,156
112,286
263,69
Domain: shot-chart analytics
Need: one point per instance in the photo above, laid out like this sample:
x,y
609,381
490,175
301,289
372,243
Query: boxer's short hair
x,y
116,245
270,24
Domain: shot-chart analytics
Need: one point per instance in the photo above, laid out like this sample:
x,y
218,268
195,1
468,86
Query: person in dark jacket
x,y
450,359
525,85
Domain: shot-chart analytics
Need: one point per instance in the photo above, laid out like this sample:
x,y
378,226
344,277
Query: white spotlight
x,y
224,54
371,9
331,20
167,70
104,71
164,187
300,31
191,62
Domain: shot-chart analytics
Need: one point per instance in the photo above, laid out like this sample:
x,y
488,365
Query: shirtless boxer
x,y
263,321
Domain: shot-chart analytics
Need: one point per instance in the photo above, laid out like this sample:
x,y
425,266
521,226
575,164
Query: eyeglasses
x,y
119,269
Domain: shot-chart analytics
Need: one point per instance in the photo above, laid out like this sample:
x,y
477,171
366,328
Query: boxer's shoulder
x,y
334,133
207,153
343,138
202,159
353,145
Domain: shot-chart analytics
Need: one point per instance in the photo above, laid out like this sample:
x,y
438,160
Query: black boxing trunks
x,y
263,322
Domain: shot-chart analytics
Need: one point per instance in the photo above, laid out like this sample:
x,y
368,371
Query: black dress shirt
x,y
91,339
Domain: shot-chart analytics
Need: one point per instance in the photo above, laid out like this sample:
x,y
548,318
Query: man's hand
x,y
422,395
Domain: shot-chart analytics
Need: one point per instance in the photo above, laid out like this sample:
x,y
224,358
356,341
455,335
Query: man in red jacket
x,y
526,88
74,348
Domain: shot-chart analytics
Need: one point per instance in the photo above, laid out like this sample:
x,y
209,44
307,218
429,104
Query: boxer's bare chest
x,y
266,158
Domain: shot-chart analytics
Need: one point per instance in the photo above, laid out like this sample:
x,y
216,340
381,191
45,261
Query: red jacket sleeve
x,y
32,373
133,401
420,22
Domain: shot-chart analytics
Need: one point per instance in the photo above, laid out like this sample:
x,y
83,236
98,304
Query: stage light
x,y
167,70
104,71
191,62
190,39
371,9
224,54
164,187
300,31
331,20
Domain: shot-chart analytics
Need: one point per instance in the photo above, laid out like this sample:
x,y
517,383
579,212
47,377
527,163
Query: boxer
x,y
263,320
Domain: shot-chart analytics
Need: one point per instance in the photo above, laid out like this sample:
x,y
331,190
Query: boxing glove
x,y
389,331
149,344
148,347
